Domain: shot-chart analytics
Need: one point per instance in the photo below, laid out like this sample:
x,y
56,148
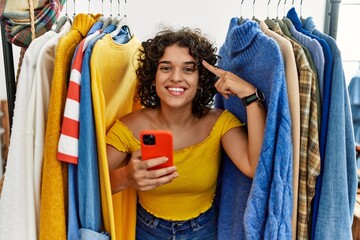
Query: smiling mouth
x,y
176,89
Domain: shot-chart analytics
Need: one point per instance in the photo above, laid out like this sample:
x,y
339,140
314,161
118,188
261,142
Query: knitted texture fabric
x,y
255,57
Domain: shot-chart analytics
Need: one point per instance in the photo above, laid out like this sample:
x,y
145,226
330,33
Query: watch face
x,y
251,98
260,95
257,96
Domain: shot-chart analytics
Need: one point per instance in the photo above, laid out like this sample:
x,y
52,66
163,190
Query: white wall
x,y
211,16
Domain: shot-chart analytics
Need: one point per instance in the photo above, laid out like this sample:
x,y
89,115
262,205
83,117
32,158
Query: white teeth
x,y
176,89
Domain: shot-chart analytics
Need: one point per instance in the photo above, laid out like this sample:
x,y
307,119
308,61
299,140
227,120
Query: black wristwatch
x,y
258,95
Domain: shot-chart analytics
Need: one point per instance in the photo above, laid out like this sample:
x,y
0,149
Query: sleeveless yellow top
x,y
191,193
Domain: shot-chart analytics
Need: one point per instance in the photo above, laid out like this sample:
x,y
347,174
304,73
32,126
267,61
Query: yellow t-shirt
x,y
192,193
113,86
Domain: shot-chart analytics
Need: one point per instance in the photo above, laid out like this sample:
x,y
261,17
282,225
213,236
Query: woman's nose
x,y
177,75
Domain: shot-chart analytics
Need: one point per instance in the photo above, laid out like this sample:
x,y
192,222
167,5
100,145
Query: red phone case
x,y
157,143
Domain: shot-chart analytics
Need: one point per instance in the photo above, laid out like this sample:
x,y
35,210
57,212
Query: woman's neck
x,y
174,118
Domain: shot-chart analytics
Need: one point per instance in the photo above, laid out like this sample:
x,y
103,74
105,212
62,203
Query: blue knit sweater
x,y
266,211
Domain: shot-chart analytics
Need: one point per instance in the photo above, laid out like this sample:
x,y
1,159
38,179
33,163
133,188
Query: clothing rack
x,y
9,63
334,17
9,73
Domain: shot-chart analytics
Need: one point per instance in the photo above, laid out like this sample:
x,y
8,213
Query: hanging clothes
x,y
336,187
354,94
88,177
309,157
113,85
19,201
292,83
317,55
286,25
53,213
69,138
269,206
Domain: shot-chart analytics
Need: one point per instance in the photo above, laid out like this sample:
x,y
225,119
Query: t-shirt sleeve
x,y
229,121
120,137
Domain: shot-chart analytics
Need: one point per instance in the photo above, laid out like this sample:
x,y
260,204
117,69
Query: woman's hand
x,y
141,178
229,83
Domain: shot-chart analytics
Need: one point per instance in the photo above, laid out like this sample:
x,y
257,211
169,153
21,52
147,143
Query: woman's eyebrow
x,y
185,63
166,62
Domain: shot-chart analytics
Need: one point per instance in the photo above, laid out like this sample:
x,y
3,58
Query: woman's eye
x,y
165,68
188,69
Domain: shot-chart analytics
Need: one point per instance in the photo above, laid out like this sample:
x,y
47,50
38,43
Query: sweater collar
x,y
240,40
83,22
309,24
292,15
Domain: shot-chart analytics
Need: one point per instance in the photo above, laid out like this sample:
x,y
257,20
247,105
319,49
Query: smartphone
x,y
157,143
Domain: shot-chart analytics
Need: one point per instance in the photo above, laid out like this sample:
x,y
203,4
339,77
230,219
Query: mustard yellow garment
x,y
113,85
53,210
192,193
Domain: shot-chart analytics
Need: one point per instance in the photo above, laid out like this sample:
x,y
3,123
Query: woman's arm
x,y
117,162
243,148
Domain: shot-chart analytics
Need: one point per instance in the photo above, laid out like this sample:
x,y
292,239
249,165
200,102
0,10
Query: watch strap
x,y
256,96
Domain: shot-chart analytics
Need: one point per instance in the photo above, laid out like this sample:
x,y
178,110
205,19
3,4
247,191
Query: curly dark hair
x,y
200,49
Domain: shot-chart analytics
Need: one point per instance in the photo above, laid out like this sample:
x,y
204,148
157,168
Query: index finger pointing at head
x,y
217,71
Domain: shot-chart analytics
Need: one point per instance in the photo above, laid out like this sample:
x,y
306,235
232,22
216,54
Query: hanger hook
x,y
267,8
66,9
125,8
118,8
292,3
301,8
111,8
74,7
241,5
102,7
254,8
277,8
89,6
284,6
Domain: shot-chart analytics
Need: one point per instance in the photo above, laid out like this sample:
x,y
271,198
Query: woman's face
x,y
176,77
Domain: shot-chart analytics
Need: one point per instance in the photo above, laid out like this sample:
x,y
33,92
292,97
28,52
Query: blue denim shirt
x,y
354,93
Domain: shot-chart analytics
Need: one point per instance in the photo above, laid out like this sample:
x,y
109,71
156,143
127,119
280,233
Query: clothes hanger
x,y
301,16
287,21
241,19
89,7
121,23
102,18
254,18
116,20
105,20
277,19
60,23
268,21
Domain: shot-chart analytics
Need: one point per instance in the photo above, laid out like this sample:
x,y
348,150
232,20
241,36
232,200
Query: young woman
x,y
177,83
